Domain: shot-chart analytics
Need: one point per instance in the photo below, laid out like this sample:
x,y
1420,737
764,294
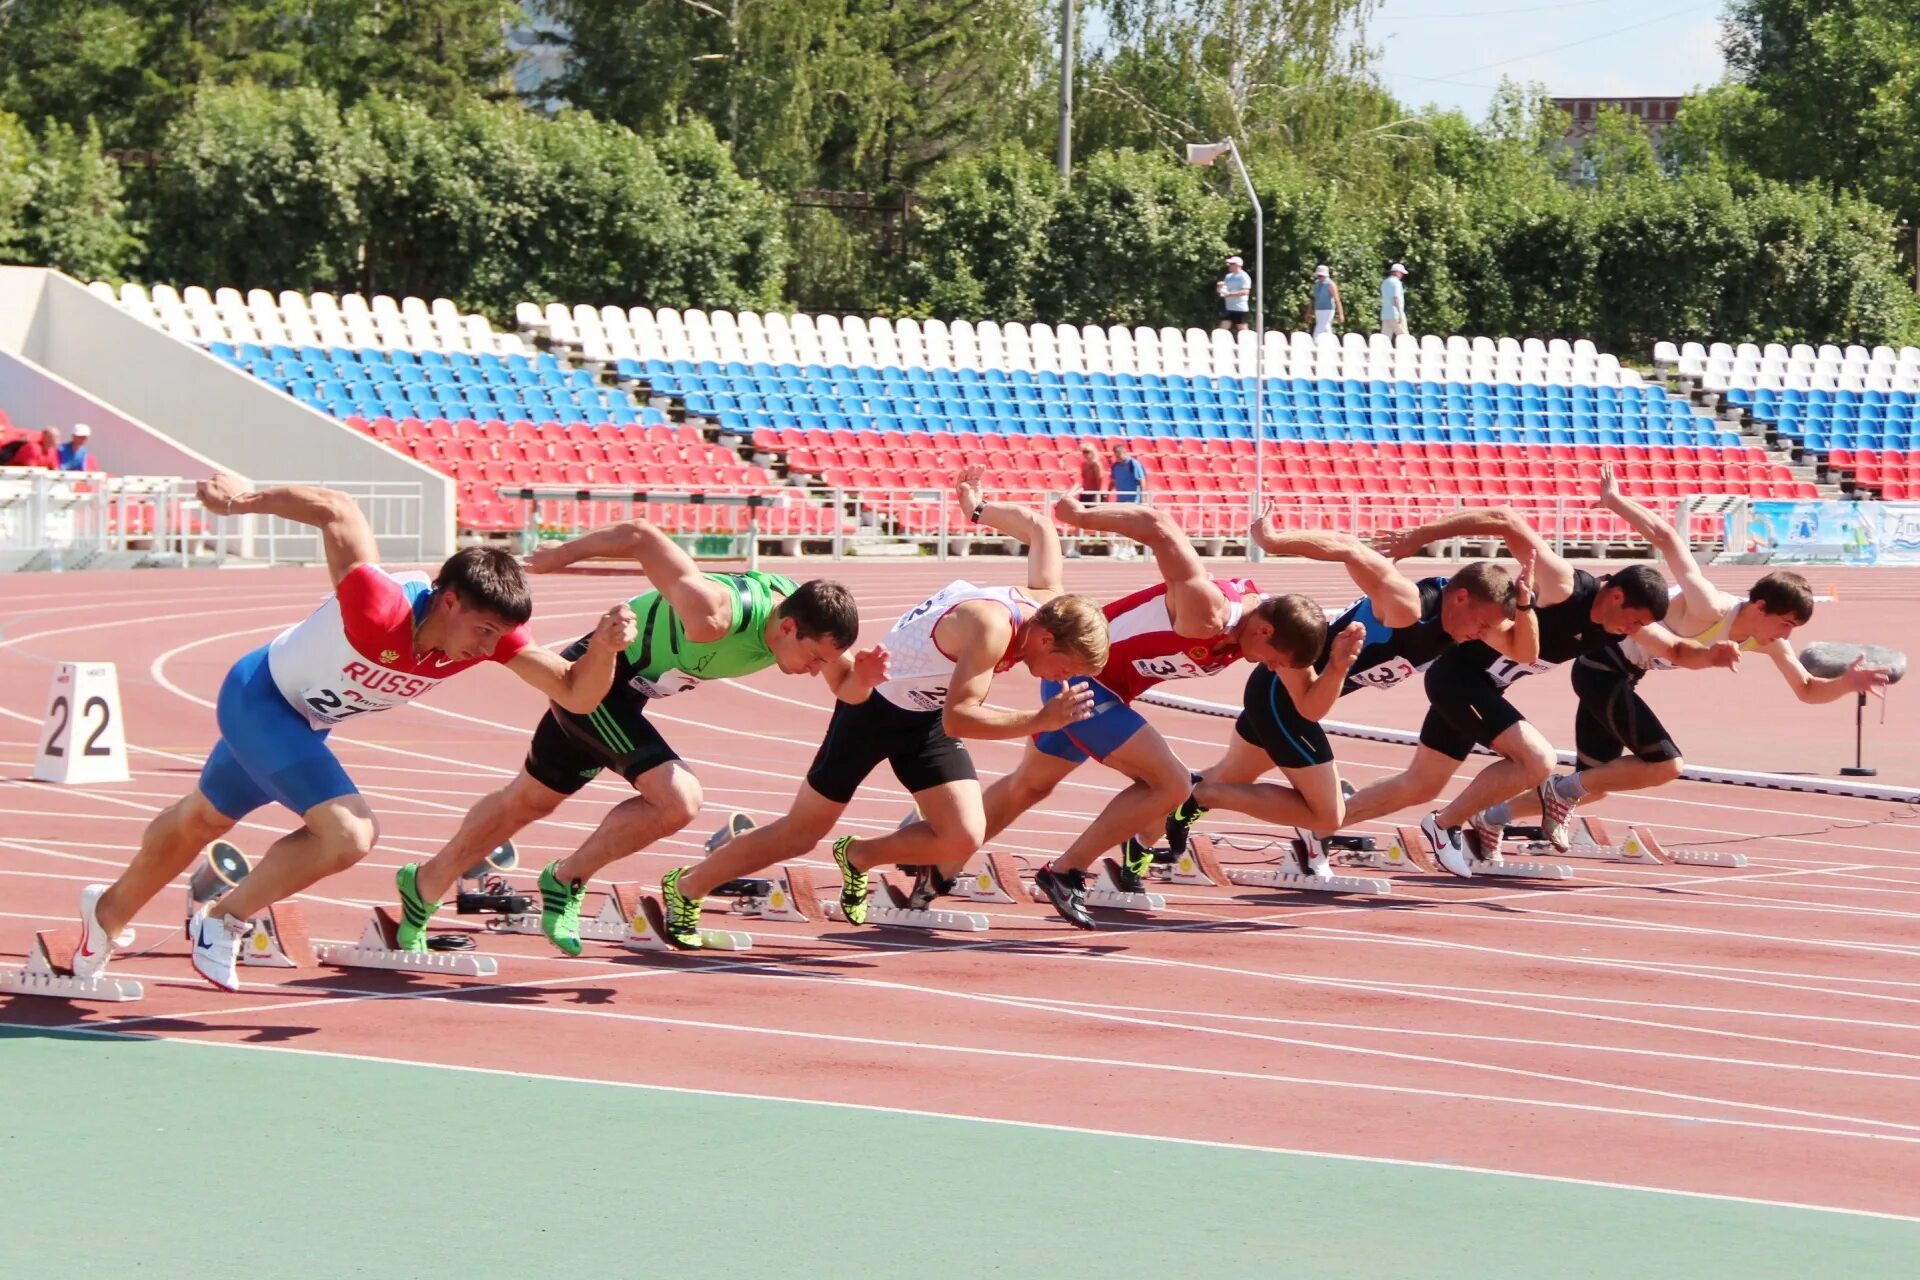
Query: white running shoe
x,y
95,948
1555,810
1448,849
216,947
1318,866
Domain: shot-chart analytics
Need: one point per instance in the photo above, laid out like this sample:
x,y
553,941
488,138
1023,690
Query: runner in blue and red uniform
x,y
378,642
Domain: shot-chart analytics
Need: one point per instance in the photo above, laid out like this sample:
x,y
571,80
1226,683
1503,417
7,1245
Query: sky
x,y
1454,53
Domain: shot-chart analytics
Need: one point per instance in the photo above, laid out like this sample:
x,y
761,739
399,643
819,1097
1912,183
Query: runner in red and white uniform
x,y
1187,625
379,641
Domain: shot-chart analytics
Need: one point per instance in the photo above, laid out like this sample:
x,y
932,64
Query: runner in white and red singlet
x,y
379,641
1187,625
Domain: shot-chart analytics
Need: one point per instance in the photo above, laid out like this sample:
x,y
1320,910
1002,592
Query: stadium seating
x,y
1855,410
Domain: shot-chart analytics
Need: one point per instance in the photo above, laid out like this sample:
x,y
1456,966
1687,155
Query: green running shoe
x,y
1180,824
1136,860
415,911
683,913
853,884
560,910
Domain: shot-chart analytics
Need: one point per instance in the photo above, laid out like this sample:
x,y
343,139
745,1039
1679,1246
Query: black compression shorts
x,y
1468,706
1270,721
1614,720
568,751
921,753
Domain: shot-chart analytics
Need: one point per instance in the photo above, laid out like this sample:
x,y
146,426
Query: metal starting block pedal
x,y
1591,838
379,948
1489,863
996,878
1201,865
888,909
49,972
638,923
792,894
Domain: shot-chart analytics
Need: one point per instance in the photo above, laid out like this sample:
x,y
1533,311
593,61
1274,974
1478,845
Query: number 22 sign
x,y
82,739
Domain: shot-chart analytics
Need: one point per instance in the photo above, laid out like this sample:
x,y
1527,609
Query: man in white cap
x,y
1393,302
1235,292
73,454
1326,308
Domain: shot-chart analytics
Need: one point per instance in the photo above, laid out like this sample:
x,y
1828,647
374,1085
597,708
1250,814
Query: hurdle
x,y
1201,865
1592,839
49,973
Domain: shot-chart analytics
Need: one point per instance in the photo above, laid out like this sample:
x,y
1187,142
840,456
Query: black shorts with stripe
x,y
1269,720
1614,720
569,751
915,744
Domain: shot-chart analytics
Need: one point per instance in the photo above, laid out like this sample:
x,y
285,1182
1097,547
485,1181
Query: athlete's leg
x,y
1310,802
669,799
167,849
1424,778
1018,792
1160,783
1526,761
498,817
337,834
795,835
1191,594
952,827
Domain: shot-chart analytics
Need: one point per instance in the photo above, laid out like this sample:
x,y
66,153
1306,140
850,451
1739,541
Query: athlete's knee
x,y
197,816
1169,784
677,799
348,839
960,836
1669,770
1029,791
526,801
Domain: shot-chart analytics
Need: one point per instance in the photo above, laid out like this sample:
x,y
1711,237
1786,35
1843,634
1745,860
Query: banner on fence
x,y
1863,533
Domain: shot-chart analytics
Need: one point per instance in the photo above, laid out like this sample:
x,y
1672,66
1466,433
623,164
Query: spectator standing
x,y
1236,293
73,454
1326,309
1393,302
1092,479
1128,480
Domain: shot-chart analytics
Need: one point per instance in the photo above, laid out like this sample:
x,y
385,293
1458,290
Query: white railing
x,y
839,521
393,509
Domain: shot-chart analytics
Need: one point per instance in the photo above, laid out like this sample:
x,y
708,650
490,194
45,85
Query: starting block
x,y
889,909
998,880
1591,838
49,972
792,894
1488,863
378,948
279,939
643,925
1201,865
1104,890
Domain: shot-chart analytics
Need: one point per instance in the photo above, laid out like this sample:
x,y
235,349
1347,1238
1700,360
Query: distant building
x,y
1655,113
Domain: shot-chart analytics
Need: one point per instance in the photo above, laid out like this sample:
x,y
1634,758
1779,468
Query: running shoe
x,y
1319,866
928,884
560,909
1136,861
216,947
1448,848
1067,891
682,912
1555,810
415,911
1487,834
95,948
1180,822
853,882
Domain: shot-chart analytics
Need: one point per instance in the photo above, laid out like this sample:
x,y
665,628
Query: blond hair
x,y
1078,627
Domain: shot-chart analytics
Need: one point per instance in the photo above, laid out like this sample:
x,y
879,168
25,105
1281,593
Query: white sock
x,y
1498,815
1571,788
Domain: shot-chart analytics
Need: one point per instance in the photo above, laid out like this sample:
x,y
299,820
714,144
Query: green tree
x,y
981,236
16,185
77,220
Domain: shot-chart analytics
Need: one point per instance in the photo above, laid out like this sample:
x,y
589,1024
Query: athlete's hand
x,y
1861,678
1072,704
1609,490
1724,653
870,666
219,492
1523,582
966,487
617,628
1396,545
549,558
1347,645
1265,527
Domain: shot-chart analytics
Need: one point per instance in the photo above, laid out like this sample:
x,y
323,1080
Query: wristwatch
x,y
974,515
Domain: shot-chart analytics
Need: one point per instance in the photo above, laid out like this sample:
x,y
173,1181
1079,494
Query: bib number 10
x,y
61,714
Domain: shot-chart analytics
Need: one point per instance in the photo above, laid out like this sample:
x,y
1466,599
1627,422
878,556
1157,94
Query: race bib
x,y
1178,666
1505,670
1384,675
666,684
331,706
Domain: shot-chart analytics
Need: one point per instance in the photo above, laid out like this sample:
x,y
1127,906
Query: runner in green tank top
x,y
693,627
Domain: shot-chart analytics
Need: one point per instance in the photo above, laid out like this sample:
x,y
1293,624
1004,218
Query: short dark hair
x,y
1783,593
820,607
1299,627
1642,587
488,579
1486,583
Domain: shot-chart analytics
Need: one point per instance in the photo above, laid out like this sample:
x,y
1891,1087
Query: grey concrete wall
x,y
208,407
35,398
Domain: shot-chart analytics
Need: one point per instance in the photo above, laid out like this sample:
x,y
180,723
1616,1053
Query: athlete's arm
x,y
704,607
1519,637
344,533
854,676
580,685
1701,596
1046,568
979,633
1314,695
1809,688
1553,575
1689,655
1394,597
1197,607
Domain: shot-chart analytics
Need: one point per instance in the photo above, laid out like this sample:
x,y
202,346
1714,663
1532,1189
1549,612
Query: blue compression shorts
x,y
267,753
1110,727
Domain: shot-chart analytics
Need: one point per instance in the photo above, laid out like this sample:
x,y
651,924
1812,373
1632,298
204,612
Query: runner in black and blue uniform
x,y
1399,627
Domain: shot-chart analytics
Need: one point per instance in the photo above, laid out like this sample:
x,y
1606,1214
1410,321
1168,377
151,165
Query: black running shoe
x,y
1067,891
1180,825
1136,860
928,884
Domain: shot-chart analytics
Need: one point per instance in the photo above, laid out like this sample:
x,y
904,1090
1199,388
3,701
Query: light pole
x,y
1206,153
1063,156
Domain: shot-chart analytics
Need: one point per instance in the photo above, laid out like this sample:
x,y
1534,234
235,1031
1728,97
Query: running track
x,y
1752,1034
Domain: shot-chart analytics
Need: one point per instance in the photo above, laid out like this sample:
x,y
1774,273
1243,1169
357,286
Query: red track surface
x,y
1750,1032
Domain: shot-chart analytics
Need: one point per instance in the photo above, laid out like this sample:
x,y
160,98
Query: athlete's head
x,y
1478,600
1786,602
813,626
1284,631
480,595
1630,599
1066,637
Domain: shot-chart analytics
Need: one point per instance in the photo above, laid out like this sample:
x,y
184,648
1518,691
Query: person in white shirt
x,y
1235,290
1393,302
1326,309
